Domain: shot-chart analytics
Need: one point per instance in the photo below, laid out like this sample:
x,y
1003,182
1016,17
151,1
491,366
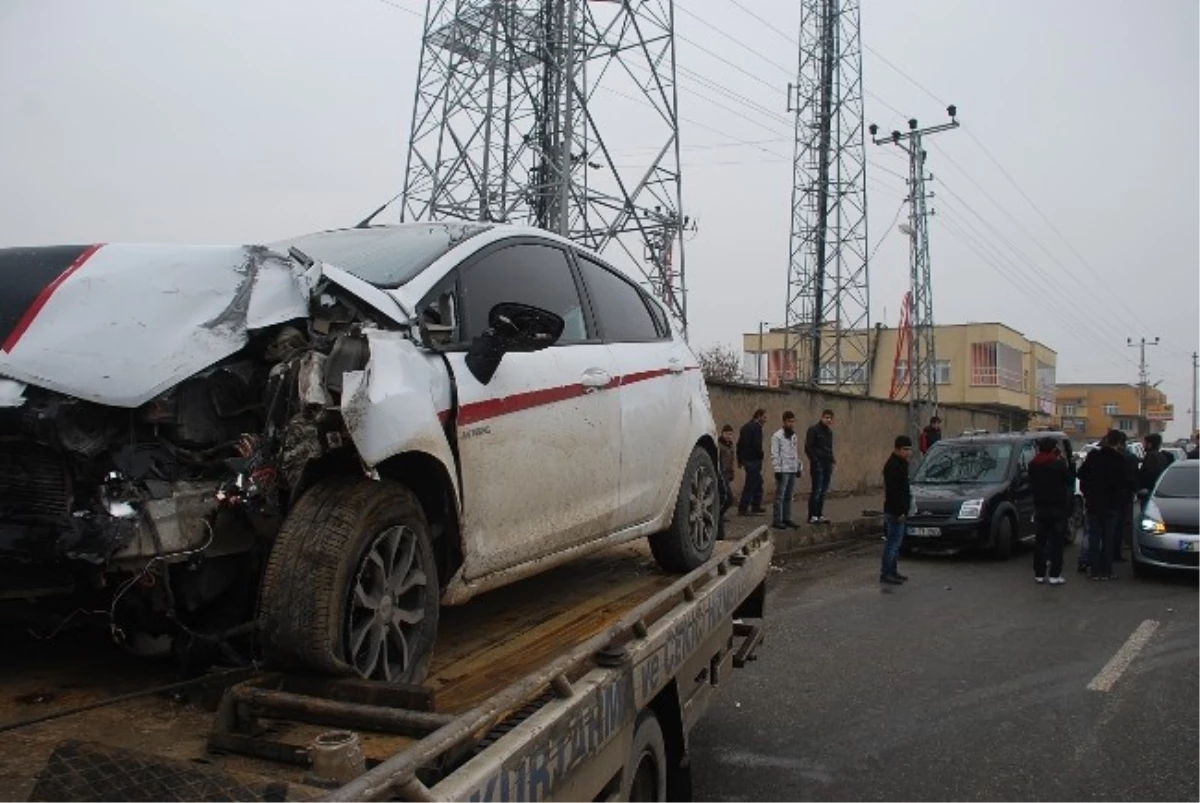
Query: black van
x,y
974,492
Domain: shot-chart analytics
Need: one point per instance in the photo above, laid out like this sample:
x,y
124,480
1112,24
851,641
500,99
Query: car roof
x,y
1007,436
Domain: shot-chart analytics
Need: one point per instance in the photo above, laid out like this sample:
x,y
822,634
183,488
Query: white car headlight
x,y
971,509
1152,520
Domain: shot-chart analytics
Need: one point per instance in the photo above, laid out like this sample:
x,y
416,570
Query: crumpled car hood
x,y
120,324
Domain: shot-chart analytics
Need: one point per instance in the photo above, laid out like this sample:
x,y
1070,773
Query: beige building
x,y
1088,411
989,366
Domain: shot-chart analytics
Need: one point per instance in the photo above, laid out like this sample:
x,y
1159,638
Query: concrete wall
x,y
864,428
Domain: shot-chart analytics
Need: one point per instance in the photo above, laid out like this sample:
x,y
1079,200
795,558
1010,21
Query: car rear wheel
x,y
690,539
351,586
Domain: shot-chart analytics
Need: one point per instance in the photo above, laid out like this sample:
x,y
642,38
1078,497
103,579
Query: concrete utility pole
x,y
922,356
1195,366
1143,425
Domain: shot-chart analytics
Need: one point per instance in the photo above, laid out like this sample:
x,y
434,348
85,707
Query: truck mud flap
x,y
87,771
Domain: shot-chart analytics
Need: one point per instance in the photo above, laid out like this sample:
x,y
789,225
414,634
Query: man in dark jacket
x,y
897,500
931,434
1153,464
726,459
1050,481
750,457
818,448
1103,478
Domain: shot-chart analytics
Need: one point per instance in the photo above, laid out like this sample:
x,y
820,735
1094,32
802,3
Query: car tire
x,y
351,584
690,539
1003,537
646,775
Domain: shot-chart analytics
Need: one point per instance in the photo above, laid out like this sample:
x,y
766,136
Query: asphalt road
x,y
968,683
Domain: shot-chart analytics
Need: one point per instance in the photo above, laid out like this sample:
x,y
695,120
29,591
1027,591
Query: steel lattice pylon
x,y
828,298
506,126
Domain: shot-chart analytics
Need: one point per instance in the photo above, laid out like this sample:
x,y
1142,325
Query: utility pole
x,y
1195,379
922,354
1143,424
827,327
505,130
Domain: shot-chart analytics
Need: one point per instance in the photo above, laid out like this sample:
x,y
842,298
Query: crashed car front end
x,y
160,408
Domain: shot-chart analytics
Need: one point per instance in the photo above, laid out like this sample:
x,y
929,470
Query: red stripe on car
x,y
43,297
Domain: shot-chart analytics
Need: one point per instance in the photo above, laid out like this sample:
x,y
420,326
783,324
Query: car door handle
x,y
595,379
675,365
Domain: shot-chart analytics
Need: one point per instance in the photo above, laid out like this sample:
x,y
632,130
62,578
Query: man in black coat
x,y
750,458
897,500
1104,480
818,448
1050,480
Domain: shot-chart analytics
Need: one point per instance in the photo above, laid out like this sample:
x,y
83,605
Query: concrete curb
x,y
812,538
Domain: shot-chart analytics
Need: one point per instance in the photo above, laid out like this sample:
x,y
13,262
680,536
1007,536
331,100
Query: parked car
x,y
1177,454
975,492
1169,531
341,431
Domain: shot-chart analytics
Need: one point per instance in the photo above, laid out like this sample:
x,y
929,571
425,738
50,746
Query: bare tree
x,y
720,363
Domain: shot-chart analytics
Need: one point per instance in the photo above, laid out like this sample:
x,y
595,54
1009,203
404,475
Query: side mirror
x,y
511,328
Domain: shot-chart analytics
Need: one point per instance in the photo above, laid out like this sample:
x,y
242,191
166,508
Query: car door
x,y
539,442
1023,489
653,391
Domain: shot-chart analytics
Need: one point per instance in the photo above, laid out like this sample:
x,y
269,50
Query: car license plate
x,y
925,532
1187,546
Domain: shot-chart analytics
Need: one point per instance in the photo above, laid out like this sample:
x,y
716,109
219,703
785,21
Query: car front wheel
x,y
351,585
690,539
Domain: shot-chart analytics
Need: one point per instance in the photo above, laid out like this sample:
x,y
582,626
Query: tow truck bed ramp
x,y
535,693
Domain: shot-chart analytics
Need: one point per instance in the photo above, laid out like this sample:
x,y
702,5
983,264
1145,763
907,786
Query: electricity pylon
x,y
828,298
513,122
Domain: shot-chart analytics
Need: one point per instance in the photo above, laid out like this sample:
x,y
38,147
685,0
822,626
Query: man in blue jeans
x,y
818,447
750,457
1104,480
785,459
897,500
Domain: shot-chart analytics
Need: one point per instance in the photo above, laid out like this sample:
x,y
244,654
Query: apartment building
x,y
985,365
1087,411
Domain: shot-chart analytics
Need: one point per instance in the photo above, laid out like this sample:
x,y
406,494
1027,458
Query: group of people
x,y
749,455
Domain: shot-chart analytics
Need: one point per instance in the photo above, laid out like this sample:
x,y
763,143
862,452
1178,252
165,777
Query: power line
x,y
405,9
1082,281
887,230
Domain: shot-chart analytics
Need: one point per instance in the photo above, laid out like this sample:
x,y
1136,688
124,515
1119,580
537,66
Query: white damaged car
x,y
310,446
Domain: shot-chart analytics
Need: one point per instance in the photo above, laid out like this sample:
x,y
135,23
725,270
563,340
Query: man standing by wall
x,y
750,457
785,458
931,434
1050,481
727,460
818,448
897,500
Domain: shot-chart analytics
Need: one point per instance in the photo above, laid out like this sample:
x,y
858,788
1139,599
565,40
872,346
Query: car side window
x,y
525,273
1028,449
619,305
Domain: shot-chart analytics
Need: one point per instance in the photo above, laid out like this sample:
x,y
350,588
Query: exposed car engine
x,y
159,518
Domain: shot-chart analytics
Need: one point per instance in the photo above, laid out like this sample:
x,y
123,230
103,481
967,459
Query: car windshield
x,y
1179,482
950,463
385,256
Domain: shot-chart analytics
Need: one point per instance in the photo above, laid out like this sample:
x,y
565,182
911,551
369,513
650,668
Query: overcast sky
x,y
250,120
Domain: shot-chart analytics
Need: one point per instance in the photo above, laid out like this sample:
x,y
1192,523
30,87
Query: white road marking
x,y
1117,665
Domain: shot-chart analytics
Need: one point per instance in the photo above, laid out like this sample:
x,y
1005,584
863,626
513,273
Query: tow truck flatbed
x,y
539,690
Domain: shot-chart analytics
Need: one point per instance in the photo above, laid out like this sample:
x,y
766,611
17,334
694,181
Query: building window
x,y
941,371
996,364
851,372
1045,388
1112,408
1070,410
1127,424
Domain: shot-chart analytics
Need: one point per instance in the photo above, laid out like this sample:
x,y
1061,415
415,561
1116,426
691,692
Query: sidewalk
x,y
847,524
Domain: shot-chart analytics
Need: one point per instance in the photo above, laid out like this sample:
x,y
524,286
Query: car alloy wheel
x,y
387,605
702,524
